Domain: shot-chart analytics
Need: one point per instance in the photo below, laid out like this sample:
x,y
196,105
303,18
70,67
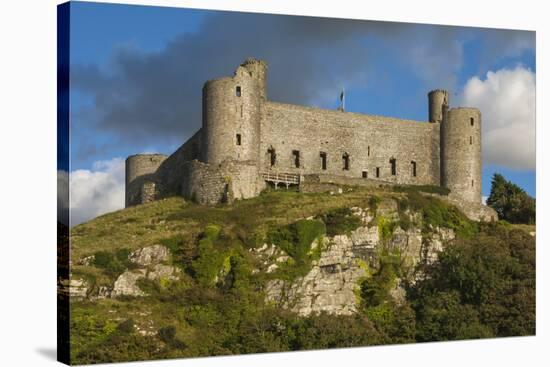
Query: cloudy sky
x,y
137,73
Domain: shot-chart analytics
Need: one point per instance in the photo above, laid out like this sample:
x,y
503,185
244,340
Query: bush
x,y
168,335
340,221
385,228
296,239
213,256
375,289
511,202
437,213
126,326
479,287
373,203
112,263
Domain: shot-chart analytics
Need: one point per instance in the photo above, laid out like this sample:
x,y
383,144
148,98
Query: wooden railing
x,y
284,178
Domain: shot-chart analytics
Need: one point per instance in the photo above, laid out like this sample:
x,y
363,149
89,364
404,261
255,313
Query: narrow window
x,y
413,168
272,156
238,139
393,167
345,161
365,174
323,156
238,91
471,140
377,172
471,121
368,151
472,183
296,156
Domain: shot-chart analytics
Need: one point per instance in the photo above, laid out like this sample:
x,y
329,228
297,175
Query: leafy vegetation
x,y
483,285
112,263
437,213
480,287
296,240
511,202
340,221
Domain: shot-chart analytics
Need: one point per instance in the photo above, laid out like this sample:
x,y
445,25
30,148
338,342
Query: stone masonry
x,y
247,142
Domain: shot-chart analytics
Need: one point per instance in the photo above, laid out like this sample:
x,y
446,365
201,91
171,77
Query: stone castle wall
x,y
369,142
244,135
461,153
141,172
170,173
231,114
212,184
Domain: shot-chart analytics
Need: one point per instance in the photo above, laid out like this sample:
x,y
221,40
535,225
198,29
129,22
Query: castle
x,y
247,142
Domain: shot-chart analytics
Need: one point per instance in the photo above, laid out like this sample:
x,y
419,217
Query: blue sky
x,y
137,73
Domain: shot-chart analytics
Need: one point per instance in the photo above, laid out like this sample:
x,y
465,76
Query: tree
x,y
511,202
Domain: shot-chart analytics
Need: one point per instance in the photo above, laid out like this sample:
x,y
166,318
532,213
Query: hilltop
x,y
293,271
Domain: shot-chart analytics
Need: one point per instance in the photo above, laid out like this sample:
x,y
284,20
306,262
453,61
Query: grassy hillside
x,y
217,305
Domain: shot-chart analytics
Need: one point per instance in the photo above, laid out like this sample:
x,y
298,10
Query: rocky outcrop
x,y
147,263
333,282
149,255
126,283
330,286
150,260
76,288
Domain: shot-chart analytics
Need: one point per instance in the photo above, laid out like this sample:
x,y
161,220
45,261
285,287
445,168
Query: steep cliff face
x,y
333,283
332,280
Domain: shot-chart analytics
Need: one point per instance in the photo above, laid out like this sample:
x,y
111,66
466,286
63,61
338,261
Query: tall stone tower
x,y
438,103
461,153
232,113
141,183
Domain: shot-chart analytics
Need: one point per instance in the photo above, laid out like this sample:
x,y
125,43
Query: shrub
x,y
168,335
112,264
511,202
212,256
385,228
126,326
373,203
340,221
437,213
296,239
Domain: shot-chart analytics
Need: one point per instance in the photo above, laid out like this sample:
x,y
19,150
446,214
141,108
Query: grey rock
x,y
149,255
126,284
161,271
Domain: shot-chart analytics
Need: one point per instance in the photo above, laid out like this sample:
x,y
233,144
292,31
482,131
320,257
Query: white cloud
x,y
96,191
506,99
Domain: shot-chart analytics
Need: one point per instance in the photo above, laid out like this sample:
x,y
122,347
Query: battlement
x,y
246,140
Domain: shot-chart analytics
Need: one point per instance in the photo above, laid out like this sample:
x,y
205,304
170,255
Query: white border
x,y
28,182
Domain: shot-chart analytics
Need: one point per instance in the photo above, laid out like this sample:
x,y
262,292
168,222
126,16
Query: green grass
x,y
216,307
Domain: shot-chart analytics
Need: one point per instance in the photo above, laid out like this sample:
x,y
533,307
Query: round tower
x,y
461,153
231,114
140,171
438,102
